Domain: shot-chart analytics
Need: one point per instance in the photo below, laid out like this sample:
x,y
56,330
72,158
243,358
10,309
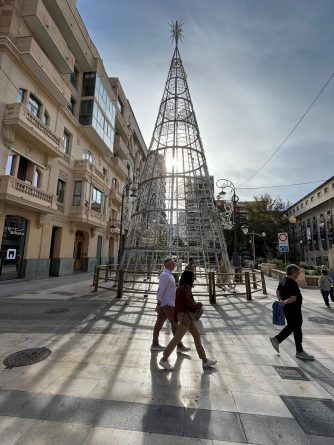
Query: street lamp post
x,y
133,194
253,235
293,220
224,184
302,249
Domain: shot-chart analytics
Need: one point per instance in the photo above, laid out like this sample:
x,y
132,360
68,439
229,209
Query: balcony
x,y
116,196
85,168
74,32
97,140
121,149
42,68
85,215
119,167
31,128
25,195
114,227
44,28
121,125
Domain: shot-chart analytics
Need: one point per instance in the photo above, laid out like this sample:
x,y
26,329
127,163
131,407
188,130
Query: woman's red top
x,y
184,300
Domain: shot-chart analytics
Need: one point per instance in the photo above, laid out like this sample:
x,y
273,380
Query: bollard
x,y
248,286
264,287
106,276
120,284
212,288
213,284
96,278
254,280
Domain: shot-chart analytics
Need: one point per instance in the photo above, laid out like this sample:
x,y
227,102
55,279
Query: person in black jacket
x,y
289,295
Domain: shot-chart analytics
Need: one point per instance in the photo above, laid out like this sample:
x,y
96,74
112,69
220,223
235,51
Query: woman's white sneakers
x,y
209,363
165,364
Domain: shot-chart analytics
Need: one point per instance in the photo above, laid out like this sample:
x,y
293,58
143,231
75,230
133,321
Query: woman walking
x,y
184,305
324,285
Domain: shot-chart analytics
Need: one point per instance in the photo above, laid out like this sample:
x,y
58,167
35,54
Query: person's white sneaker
x,y
183,348
304,356
209,363
157,347
165,364
275,343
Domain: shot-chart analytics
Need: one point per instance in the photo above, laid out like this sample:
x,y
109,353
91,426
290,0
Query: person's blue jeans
x,y
325,296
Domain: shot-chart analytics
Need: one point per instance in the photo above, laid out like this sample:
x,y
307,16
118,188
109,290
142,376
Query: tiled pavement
x,y
101,384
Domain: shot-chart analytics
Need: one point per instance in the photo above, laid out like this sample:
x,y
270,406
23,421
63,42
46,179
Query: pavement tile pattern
x,y
101,383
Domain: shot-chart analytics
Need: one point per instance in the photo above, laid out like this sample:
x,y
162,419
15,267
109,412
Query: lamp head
x,y
292,220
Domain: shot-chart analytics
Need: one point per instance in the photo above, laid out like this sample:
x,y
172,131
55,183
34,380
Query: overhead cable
x,y
292,131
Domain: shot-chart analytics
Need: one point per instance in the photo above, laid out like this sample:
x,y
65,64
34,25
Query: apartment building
x,y
69,143
312,236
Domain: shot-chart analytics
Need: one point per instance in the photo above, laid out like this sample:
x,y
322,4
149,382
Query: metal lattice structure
x,y
175,213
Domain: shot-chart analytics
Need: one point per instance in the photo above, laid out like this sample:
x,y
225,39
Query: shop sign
x,y
14,230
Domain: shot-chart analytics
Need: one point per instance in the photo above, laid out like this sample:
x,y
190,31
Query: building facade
x,y
312,236
69,143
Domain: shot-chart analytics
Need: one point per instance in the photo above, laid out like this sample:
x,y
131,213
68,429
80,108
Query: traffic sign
x,y
283,242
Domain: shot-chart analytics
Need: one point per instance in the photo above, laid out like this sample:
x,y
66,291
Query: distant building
x,y
312,236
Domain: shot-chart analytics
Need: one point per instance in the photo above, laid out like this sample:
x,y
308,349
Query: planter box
x,y
267,268
312,280
302,279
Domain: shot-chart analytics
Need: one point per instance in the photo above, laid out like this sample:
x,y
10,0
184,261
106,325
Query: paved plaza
x,y
102,385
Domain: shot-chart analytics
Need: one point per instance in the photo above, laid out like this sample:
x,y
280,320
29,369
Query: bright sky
x,y
253,67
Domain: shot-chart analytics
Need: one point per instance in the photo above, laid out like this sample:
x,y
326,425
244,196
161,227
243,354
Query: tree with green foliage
x,y
267,214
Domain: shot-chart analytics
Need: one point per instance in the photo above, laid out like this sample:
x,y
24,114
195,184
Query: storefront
x,y
12,247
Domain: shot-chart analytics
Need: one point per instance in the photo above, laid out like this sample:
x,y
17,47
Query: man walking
x,y
165,306
289,295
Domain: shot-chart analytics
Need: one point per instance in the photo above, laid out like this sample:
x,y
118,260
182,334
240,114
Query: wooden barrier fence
x,y
212,284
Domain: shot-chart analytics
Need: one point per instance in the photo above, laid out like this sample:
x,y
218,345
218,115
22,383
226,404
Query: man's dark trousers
x,y
294,320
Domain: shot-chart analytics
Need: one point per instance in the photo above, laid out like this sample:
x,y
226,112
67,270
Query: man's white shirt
x,y
167,289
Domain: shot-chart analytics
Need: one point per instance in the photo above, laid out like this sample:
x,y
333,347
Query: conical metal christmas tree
x,y
175,213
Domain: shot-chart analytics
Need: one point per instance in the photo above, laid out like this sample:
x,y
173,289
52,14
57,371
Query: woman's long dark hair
x,y
187,278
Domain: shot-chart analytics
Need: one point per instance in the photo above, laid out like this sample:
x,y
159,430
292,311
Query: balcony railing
x,y
119,167
43,69
116,196
32,128
50,38
114,226
13,189
120,148
86,215
85,166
